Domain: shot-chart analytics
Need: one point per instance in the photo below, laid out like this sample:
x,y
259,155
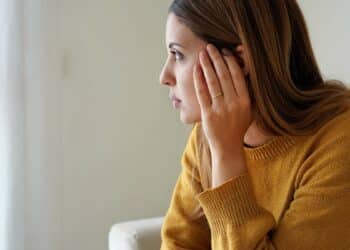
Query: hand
x,y
225,119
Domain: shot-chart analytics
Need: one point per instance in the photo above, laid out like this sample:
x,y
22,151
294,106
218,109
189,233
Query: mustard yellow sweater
x,y
296,195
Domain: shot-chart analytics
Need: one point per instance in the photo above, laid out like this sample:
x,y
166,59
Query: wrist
x,y
228,155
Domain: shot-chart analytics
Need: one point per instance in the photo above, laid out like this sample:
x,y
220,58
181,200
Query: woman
x,y
267,163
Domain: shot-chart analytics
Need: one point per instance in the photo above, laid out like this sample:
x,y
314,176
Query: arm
x,y
317,218
178,231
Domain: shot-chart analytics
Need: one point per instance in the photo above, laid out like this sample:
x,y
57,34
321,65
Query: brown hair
x,y
287,91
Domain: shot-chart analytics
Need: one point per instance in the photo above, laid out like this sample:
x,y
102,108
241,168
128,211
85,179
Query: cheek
x,y
191,98
189,79
190,89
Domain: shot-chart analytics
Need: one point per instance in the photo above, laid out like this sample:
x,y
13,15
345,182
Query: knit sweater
x,y
295,195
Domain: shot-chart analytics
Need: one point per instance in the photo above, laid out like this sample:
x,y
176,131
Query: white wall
x,y
43,165
122,139
329,26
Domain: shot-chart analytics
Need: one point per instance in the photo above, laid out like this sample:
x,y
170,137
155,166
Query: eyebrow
x,y
173,44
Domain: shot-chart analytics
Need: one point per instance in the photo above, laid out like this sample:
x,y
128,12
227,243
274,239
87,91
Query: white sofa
x,y
143,234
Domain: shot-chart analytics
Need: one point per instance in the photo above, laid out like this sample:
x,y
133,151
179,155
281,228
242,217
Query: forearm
x,y
226,165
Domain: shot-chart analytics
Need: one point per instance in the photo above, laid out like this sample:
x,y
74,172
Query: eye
x,y
178,55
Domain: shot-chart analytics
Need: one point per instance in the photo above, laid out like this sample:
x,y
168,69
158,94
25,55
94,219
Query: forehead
x,y
180,33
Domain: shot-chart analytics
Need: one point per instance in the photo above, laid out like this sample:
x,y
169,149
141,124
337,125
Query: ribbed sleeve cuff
x,y
229,204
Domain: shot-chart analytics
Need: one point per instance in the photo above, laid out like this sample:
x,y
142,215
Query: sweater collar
x,y
271,149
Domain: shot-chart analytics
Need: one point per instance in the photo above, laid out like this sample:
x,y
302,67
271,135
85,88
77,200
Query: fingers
x,y
216,73
237,75
210,76
201,89
222,72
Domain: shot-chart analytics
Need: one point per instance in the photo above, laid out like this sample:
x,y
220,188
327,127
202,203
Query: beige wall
x,y
122,138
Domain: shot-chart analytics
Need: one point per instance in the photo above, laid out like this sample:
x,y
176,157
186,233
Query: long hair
x,y
287,92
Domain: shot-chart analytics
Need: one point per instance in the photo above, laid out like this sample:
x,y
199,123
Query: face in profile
x,y
183,48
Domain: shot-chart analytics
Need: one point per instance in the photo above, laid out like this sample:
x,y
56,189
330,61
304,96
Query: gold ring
x,y
217,95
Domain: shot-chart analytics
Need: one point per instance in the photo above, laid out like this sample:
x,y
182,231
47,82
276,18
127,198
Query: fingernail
x,y
226,52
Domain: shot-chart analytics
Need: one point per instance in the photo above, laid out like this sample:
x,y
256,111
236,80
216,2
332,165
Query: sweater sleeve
x,y
318,217
179,231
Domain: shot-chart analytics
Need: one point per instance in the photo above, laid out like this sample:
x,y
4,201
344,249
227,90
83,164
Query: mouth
x,y
175,101
174,98
176,104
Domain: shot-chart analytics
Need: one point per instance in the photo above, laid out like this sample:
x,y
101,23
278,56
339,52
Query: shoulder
x,y
325,157
329,146
338,128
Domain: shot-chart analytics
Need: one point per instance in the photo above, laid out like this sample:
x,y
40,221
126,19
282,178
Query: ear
x,y
242,59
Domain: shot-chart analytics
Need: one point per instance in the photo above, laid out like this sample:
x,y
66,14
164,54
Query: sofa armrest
x,y
143,234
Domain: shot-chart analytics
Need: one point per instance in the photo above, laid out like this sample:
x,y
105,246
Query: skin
x,y
177,74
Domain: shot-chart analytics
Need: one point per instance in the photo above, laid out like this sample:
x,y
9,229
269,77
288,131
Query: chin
x,y
189,119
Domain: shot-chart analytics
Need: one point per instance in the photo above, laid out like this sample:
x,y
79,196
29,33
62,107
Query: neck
x,y
255,137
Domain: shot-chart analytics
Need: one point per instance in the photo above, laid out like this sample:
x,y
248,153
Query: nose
x,y
166,77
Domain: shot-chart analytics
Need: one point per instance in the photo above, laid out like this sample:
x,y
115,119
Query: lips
x,y
174,98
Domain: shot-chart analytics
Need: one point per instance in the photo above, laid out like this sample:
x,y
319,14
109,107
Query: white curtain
x,y
31,185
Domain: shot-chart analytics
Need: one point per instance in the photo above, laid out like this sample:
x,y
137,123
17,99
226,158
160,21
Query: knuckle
x,y
211,81
225,77
234,73
201,91
233,106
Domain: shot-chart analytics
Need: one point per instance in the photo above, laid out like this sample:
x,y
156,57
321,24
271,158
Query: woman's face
x,y
183,50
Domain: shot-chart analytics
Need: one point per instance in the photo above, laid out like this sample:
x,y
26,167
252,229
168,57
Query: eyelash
x,y
177,53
